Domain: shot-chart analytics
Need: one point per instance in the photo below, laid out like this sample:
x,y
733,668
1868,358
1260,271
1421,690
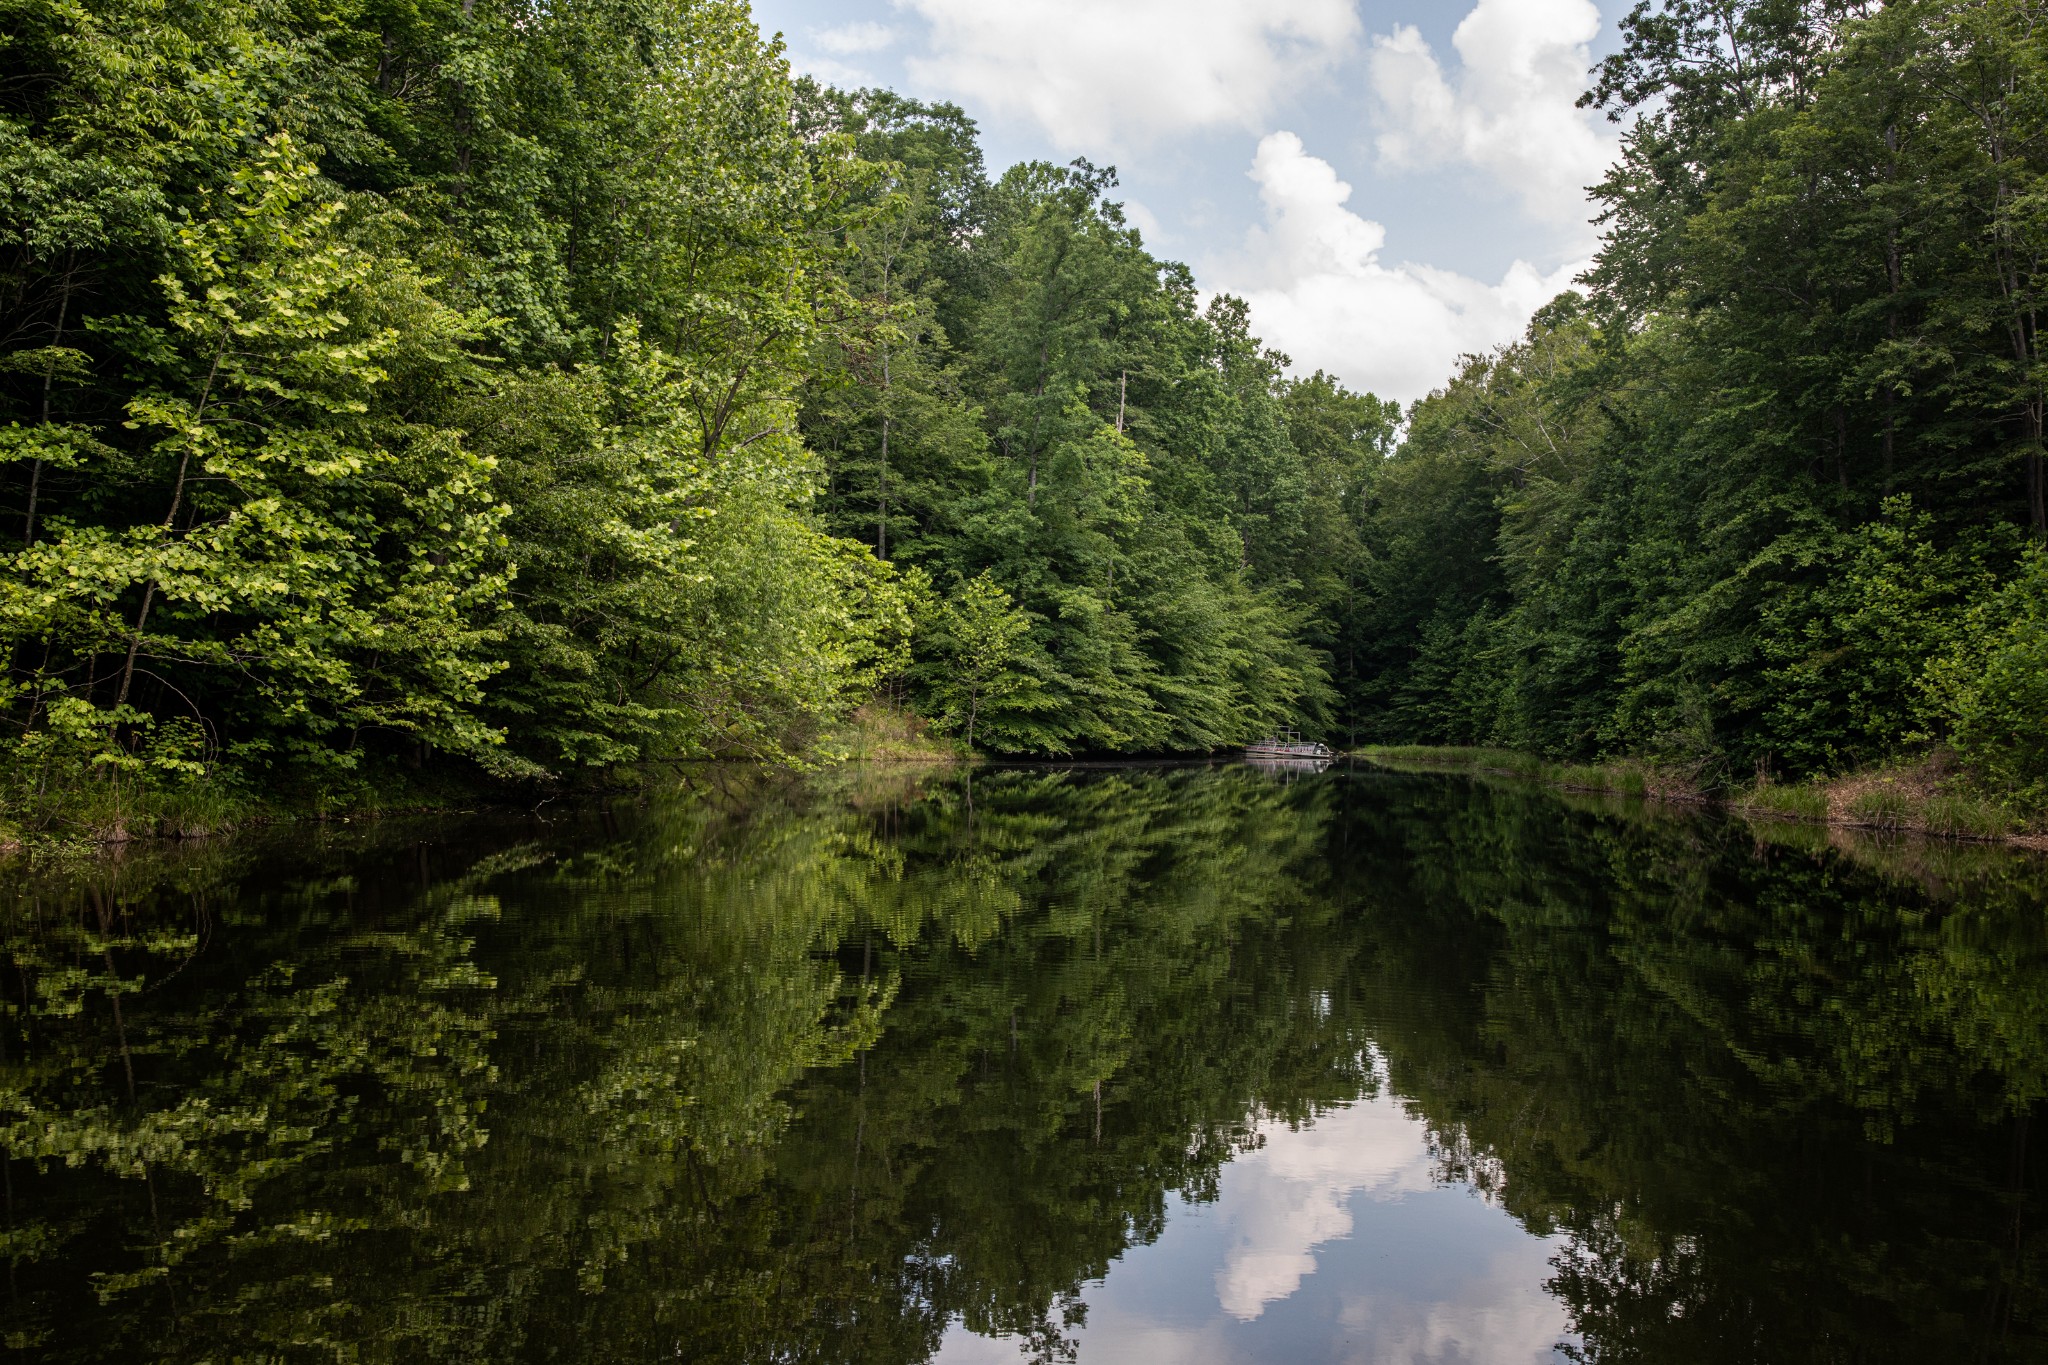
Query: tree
x,y
973,647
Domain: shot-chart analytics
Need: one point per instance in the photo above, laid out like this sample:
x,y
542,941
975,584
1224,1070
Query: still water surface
x,y
1199,1065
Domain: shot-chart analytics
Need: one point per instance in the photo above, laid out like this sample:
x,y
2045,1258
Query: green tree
x,y
973,647
311,541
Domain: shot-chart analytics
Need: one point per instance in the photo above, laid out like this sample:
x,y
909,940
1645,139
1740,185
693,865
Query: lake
x,y
1202,1064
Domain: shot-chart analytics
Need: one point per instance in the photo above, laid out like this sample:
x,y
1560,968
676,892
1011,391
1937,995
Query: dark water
x,y
1196,1065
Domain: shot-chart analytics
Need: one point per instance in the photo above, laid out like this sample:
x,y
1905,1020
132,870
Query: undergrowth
x,y
881,732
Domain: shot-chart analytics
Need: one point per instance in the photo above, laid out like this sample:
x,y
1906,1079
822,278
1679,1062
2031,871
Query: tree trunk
x,y
170,522
35,477
1842,447
1895,276
1037,416
2023,328
882,501
882,514
2037,478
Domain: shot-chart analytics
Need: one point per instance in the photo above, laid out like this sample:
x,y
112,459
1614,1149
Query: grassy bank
x,y
1928,796
1925,797
102,809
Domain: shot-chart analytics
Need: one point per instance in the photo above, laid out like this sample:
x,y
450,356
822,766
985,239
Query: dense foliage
x,y
1765,497
388,382
1026,399
455,384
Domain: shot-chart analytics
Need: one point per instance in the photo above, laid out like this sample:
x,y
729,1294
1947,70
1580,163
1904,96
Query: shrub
x,y
1849,654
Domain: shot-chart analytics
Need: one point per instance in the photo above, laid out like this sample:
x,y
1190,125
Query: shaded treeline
x,y
1028,403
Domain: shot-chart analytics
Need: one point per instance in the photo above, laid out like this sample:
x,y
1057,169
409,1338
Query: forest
x,y
410,392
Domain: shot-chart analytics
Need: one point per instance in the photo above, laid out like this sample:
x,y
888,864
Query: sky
x,y
1390,183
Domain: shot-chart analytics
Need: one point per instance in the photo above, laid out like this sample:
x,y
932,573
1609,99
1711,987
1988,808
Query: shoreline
x,y
1900,800
169,823
1897,800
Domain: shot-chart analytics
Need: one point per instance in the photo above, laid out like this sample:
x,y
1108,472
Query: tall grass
x,y
882,733
1771,801
1883,809
1967,817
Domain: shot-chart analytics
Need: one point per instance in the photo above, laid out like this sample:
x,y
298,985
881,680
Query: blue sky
x,y
1237,126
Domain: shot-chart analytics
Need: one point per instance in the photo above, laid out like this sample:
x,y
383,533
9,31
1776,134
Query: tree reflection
x,y
779,1072
1780,1103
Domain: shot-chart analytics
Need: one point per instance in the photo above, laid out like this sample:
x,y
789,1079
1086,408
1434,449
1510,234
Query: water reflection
x,y
1328,1242
1109,1066
1281,1203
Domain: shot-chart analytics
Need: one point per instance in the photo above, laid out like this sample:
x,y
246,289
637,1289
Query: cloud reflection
x,y
1295,1194
1328,1243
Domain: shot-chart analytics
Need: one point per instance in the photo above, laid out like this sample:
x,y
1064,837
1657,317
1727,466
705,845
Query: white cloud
x,y
1098,75
830,71
1512,112
1141,217
848,39
1503,1317
1319,291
